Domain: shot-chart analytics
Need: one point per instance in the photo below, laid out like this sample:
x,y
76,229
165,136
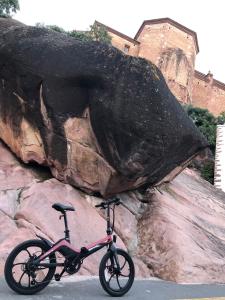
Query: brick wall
x,y
124,45
173,51
173,48
208,93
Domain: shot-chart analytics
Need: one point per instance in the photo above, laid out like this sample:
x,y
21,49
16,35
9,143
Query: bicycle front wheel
x,y
21,275
116,282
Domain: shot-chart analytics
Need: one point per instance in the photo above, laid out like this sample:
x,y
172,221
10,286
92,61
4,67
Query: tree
x,y
221,118
100,34
7,7
52,27
97,32
206,123
80,35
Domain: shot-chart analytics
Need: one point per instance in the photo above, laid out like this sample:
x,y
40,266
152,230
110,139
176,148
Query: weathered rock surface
x,y
103,121
25,210
182,234
176,234
86,224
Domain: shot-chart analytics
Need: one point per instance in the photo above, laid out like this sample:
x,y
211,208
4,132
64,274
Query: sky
x,y
206,18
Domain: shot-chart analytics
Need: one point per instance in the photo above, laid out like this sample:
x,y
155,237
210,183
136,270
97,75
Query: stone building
x,y
173,48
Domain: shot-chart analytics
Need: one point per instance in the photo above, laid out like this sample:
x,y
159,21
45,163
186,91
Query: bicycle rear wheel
x,y
116,282
23,277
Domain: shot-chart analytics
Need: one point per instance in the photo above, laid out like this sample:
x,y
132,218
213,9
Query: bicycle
x,y
31,265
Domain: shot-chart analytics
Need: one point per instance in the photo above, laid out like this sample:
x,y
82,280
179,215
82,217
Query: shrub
x,y
207,171
206,122
96,33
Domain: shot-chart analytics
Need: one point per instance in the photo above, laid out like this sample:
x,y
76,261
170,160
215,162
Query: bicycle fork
x,y
114,257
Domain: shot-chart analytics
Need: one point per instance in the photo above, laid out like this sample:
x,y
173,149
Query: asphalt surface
x,y
90,289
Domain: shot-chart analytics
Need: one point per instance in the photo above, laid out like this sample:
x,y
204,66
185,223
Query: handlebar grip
x,y
104,204
114,200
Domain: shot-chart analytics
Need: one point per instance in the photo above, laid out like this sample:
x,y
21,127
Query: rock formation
x,y
175,233
182,236
102,121
26,197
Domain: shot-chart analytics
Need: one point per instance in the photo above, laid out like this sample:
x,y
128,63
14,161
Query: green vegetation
x,y
52,27
206,122
8,7
96,33
207,171
221,119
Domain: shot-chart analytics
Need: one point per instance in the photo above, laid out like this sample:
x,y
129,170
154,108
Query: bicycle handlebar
x,y
104,204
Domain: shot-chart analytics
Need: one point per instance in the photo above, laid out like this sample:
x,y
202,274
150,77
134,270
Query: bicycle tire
x,y
9,266
111,270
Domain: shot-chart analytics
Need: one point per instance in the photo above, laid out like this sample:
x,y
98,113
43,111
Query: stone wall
x,y
173,51
126,46
170,48
208,93
173,48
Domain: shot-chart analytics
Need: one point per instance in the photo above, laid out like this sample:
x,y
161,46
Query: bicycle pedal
x,y
57,277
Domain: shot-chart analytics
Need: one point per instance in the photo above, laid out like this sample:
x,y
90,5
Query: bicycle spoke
x,y
110,278
21,277
17,264
118,281
28,252
123,264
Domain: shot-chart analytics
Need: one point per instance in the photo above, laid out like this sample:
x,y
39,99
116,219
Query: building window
x,y
126,48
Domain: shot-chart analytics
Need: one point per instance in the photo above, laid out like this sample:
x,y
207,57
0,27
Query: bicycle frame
x,y
116,264
81,254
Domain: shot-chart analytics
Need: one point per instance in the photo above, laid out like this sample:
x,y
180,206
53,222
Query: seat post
x,y
67,232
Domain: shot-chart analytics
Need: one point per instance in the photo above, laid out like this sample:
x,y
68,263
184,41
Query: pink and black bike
x,y
31,266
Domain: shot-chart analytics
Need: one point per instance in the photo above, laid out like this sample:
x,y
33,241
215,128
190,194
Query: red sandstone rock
x,y
12,174
10,236
85,223
182,233
25,214
177,235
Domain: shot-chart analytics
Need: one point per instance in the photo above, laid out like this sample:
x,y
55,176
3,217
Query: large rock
x,y
182,234
103,121
25,210
176,233
86,225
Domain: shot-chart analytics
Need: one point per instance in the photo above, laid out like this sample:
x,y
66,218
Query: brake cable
x,y
113,209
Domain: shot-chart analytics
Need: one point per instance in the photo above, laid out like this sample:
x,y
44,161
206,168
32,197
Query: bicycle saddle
x,y
62,208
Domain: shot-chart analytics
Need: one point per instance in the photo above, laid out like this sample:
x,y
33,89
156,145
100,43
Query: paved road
x,y
90,289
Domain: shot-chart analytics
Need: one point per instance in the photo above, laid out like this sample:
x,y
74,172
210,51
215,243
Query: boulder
x,y
25,210
85,224
182,233
13,175
175,232
101,120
